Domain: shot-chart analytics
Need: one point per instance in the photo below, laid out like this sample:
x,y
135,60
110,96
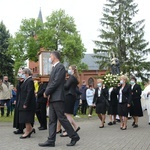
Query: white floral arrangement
x,y
111,80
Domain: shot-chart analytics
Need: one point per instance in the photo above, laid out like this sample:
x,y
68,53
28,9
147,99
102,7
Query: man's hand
x,y
24,106
44,95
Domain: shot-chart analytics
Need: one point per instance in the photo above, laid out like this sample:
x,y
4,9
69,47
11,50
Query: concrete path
x,y
92,137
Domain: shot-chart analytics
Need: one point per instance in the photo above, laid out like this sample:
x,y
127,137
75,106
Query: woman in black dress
x,y
113,103
100,98
27,103
124,101
136,108
70,93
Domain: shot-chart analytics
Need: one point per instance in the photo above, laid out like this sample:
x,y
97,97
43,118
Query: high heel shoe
x,y
60,131
101,126
33,131
27,136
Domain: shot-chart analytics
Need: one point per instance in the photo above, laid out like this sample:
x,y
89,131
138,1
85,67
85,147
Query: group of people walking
x,y
63,95
122,100
60,92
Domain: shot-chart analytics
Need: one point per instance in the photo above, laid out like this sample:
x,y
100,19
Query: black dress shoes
x,y
77,129
42,128
73,141
18,132
47,144
64,135
135,126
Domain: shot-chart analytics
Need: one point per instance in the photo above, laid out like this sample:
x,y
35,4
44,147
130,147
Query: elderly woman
x,y
124,101
27,103
100,98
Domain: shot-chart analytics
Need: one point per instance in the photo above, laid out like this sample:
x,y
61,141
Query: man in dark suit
x,y
41,106
55,90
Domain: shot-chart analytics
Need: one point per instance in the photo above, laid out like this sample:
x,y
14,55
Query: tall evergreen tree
x,y
122,37
6,62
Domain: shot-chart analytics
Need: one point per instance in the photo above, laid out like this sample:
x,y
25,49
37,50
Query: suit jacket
x,y
41,90
103,96
70,85
27,96
113,97
136,92
126,94
55,87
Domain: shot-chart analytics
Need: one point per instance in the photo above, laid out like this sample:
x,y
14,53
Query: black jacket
x,y
55,87
103,96
83,89
27,96
126,94
41,90
70,85
136,92
78,93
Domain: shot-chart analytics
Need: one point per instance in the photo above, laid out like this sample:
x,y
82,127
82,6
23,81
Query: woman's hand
x,y
128,105
24,106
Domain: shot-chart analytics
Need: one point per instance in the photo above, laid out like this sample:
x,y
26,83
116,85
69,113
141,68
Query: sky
x,y
86,13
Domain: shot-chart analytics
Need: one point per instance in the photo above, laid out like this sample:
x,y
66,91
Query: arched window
x,y
91,81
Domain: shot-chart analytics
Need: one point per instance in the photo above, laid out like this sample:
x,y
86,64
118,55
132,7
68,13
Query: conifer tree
x,y
6,62
122,37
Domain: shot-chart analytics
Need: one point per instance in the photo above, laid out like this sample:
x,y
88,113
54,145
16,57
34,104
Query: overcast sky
x,y
86,13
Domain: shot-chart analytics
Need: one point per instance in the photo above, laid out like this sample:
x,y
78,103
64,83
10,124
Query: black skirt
x,y
101,108
112,109
136,108
69,103
26,117
123,109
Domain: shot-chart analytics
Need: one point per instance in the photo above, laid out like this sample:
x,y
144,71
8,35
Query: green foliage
x,y
123,38
6,62
57,33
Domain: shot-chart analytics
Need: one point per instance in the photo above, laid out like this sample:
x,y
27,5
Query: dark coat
x,y
16,111
83,89
27,96
103,96
136,108
70,85
113,97
55,87
101,101
78,93
41,90
126,94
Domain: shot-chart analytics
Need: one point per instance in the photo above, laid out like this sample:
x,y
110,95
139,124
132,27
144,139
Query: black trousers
x,y
56,111
41,114
84,107
8,107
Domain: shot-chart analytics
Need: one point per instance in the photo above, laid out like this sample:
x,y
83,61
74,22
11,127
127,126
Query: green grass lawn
x,y
7,119
11,116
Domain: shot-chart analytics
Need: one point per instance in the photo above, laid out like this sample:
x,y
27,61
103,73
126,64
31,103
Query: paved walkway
x,y
92,137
